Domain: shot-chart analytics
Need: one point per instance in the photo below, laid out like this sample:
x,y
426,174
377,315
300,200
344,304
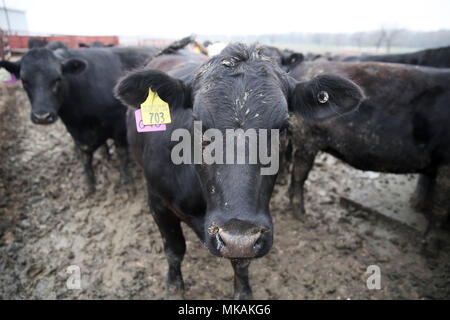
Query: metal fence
x,y
5,50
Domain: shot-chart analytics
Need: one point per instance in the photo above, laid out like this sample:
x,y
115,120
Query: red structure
x,y
19,43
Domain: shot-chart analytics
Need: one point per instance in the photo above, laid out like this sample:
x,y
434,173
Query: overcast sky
x,y
173,19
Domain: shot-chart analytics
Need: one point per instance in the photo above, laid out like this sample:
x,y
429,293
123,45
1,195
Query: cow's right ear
x,y
325,97
133,89
11,67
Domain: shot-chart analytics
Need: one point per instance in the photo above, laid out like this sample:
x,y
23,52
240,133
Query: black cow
x,y
439,58
34,43
286,59
55,45
77,86
37,43
227,205
95,44
402,127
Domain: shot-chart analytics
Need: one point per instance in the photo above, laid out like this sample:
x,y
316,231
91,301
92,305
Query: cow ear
x,y
74,66
11,67
325,97
133,89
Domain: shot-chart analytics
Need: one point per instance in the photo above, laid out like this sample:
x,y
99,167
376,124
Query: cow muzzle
x,y
43,117
240,239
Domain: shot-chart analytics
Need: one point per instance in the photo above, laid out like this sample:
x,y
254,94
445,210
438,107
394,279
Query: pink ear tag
x,y
13,79
141,127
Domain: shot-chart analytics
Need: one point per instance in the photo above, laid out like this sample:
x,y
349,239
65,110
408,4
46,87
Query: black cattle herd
x,y
385,113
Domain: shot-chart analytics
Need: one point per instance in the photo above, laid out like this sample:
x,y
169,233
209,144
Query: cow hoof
x,y
174,292
298,212
282,180
297,206
89,190
243,295
175,296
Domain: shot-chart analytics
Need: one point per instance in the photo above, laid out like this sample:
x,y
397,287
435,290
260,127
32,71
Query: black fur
x,y
439,58
402,127
133,89
344,97
11,67
286,59
241,88
77,86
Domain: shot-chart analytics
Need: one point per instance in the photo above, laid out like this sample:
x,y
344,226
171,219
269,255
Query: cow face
x,y
243,95
43,76
242,90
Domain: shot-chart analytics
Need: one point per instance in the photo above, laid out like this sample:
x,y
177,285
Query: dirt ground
x,y
46,225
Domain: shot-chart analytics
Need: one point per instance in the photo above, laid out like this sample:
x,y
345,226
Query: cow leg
x,y
106,151
285,161
439,204
124,160
283,171
174,247
419,197
86,155
302,164
242,290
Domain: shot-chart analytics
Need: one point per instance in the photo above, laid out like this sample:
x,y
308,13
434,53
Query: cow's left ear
x,y
11,67
133,89
324,97
74,66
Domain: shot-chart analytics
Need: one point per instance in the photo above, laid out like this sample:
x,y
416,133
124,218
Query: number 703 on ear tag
x,y
141,127
155,110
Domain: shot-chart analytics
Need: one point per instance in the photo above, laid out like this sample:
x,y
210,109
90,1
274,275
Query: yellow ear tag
x,y
197,49
154,110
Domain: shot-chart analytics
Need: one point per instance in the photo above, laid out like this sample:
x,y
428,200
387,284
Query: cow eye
x,y
323,97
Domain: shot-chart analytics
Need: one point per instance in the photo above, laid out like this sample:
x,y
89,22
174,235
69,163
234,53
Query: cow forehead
x,y
241,106
242,84
237,58
43,64
241,91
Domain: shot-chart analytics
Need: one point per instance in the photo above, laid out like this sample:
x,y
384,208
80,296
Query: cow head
x,y
43,73
242,89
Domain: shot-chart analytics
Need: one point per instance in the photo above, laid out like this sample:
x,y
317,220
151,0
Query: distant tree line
x,y
383,39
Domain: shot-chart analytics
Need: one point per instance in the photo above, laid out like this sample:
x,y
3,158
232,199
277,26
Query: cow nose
x,y
43,116
240,240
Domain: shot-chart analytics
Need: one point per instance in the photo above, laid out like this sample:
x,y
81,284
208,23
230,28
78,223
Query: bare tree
x,y
380,37
357,39
391,35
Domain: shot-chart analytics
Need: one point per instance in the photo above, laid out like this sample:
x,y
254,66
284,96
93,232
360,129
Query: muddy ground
x,y
46,225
